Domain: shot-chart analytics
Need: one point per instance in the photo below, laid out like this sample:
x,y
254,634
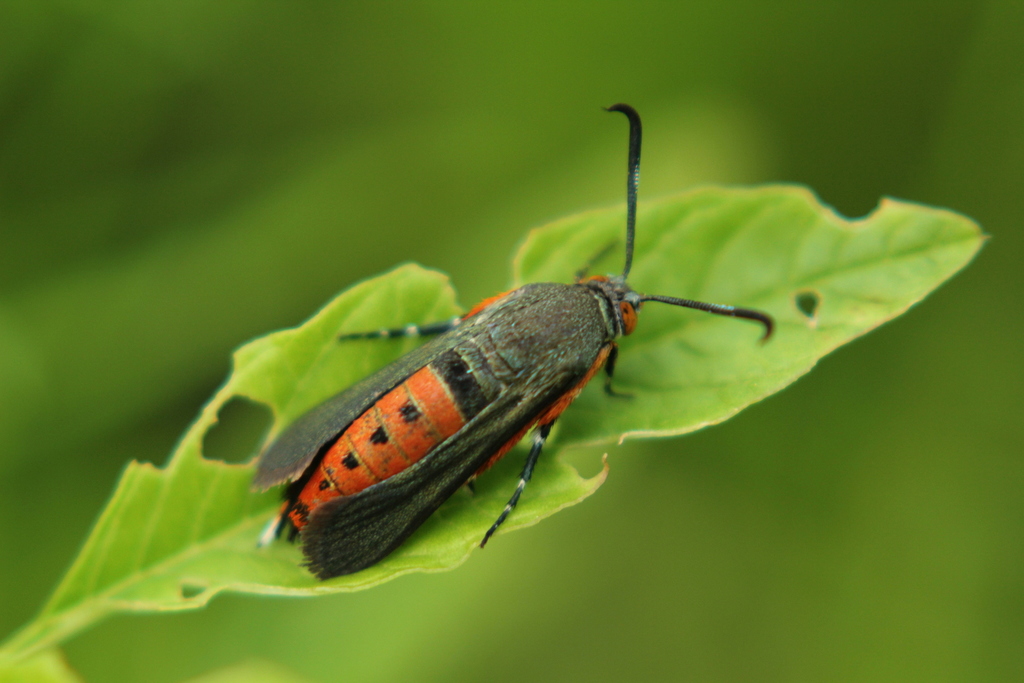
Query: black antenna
x,y
632,182
632,179
718,309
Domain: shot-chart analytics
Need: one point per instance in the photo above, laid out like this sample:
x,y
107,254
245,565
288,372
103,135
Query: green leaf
x,y
47,666
172,538
766,248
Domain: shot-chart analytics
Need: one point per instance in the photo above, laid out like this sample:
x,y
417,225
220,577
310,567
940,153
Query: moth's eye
x,y
628,317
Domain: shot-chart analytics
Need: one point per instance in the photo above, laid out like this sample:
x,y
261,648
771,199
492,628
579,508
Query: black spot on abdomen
x,y
409,412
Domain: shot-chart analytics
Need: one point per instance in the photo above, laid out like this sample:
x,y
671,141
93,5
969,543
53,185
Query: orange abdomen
x,y
404,425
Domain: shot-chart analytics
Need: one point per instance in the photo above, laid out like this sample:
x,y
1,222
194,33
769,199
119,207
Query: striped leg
x,y
609,368
581,274
407,331
540,435
273,528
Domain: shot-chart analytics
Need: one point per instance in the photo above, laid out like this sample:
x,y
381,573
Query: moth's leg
x,y
584,270
540,435
407,331
273,528
609,368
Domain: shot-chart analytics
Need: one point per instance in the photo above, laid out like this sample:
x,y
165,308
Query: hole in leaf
x,y
192,590
807,303
240,429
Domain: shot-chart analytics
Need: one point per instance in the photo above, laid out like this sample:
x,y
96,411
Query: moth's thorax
x,y
544,322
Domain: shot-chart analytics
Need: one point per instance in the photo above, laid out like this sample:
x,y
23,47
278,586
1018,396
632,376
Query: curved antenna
x,y
632,179
719,309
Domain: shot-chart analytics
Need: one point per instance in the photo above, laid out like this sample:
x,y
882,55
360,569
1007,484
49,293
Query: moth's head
x,y
623,304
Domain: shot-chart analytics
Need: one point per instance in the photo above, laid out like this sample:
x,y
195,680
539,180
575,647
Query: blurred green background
x,y
178,177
